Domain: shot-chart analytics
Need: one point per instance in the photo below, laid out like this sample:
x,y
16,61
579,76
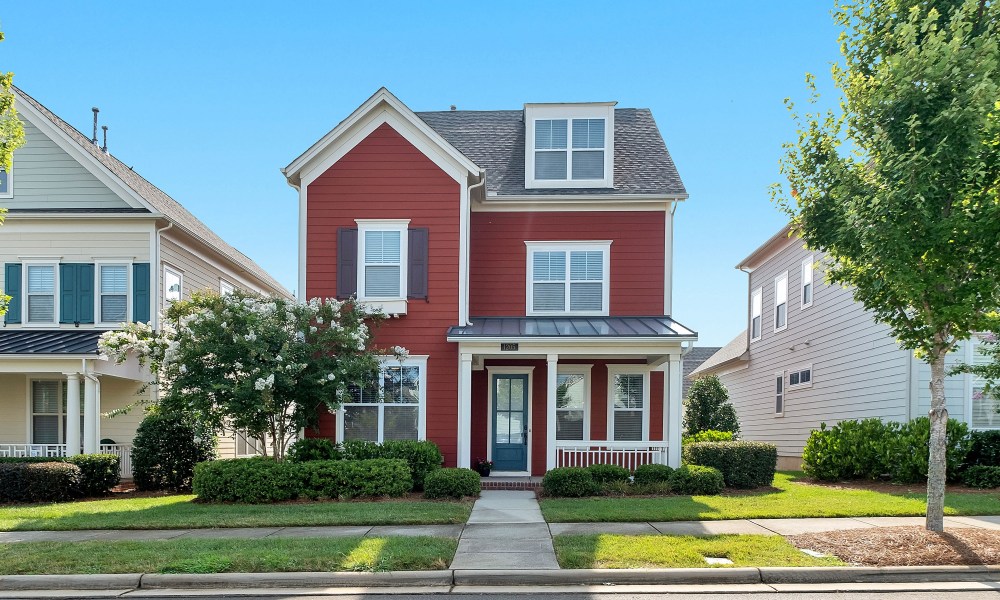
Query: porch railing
x,y
624,454
122,451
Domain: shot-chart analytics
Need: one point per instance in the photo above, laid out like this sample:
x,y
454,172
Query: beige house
x,y
87,244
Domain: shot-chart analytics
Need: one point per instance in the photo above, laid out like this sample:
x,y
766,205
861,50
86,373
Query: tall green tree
x,y
899,186
11,138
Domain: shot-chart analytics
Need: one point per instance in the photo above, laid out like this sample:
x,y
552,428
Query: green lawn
x,y
228,556
179,512
668,551
790,499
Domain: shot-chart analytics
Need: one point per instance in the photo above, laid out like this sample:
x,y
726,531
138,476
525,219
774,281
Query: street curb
x,y
878,574
601,576
70,582
310,579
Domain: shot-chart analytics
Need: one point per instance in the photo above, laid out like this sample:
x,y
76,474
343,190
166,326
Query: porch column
x,y
72,414
675,408
464,411
91,412
552,379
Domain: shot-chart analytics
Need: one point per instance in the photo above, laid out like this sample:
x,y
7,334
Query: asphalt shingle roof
x,y
734,350
494,140
60,341
504,327
158,199
692,360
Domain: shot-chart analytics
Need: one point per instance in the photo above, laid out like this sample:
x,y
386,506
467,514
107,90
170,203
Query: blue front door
x,y
510,422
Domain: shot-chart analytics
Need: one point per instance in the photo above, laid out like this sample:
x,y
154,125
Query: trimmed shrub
x,y
603,474
743,464
911,450
99,473
850,450
710,435
569,482
696,480
39,481
257,480
982,476
651,474
984,448
422,456
452,483
707,407
314,449
166,449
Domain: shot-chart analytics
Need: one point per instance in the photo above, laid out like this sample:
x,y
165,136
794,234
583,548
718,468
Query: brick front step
x,y
511,483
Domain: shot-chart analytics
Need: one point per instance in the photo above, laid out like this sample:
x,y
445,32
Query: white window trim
x,y
571,369
600,110
391,361
614,370
567,247
180,276
226,287
25,293
784,394
783,276
394,305
791,386
808,266
10,183
757,293
97,291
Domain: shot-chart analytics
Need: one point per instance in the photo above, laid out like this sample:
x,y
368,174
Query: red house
x,y
527,257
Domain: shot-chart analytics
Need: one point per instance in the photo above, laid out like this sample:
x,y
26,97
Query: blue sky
x,y
208,100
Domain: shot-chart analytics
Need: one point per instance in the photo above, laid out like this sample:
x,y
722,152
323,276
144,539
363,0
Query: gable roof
x,y
692,360
494,140
157,199
733,352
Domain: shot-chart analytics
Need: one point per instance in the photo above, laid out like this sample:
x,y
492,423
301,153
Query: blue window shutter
x,y
417,268
12,288
347,263
68,292
85,293
140,292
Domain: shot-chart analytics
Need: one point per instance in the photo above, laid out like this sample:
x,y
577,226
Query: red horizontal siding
x,y
499,257
386,177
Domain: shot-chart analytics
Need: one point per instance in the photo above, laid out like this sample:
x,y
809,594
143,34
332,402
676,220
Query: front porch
x,y
536,394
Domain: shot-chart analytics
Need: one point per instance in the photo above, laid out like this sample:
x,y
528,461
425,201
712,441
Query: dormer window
x,y
569,145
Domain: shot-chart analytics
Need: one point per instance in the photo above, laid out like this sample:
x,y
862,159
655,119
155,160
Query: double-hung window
x,y
48,411
756,306
985,413
113,290
569,145
779,394
628,393
807,282
393,409
568,278
572,403
40,285
172,286
383,248
781,301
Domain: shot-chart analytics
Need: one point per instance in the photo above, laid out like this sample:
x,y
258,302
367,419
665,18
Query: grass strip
x,y
791,498
228,555
668,551
179,512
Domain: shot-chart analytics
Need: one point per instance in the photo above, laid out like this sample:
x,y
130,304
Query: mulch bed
x,y
906,546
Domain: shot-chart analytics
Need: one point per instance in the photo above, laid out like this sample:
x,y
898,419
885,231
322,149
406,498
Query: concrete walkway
x,y
505,531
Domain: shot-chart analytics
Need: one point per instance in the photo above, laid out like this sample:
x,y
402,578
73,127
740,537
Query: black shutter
x,y
347,263
417,263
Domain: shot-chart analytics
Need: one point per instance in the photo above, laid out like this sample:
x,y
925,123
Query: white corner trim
x,y
300,294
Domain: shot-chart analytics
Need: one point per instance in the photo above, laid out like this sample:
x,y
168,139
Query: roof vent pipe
x,y
96,110
453,107
105,146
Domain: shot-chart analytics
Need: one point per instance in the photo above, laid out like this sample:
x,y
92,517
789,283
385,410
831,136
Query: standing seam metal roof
x,y
59,341
622,327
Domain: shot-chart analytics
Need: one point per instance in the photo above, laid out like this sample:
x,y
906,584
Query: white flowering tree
x,y
261,365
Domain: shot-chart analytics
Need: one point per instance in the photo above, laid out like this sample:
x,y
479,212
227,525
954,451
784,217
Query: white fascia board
x,y
294,171
89,216
84,158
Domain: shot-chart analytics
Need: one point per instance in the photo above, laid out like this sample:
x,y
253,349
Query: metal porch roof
x,y
59,341
571,327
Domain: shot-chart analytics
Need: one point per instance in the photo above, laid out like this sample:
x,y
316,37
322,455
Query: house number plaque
x,y
508,347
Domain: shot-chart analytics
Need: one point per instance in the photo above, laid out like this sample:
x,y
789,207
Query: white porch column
x,y
464,411
72,414
675,408
91,413
552,379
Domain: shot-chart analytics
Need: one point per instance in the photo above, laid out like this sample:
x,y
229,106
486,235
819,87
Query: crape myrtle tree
x,y
900,185
11,138
261,365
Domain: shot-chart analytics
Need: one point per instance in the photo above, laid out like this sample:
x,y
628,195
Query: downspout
x,y
466,250
156,294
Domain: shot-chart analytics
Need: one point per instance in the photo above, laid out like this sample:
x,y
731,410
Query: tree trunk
x,y
937,464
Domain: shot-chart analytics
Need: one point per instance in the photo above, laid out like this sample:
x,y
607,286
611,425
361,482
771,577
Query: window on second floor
x,y
756,311
807,282
568,278
113,292
800,378
781,301
172,286
382,259
6,183
40,285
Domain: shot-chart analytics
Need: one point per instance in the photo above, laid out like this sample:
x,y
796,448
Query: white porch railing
x,y
597,452
122,451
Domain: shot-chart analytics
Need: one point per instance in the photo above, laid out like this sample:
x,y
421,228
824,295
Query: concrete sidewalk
x,y
505,531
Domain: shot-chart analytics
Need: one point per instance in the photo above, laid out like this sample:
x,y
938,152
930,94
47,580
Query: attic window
x,y
569,146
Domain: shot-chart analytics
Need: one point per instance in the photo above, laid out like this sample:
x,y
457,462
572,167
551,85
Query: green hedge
x,y
603,474
452,483
696,480
709,435
29,481
651,474
743,464
569,482
984,448
314,449
165,450
99,473
982,476
421,456
261,480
